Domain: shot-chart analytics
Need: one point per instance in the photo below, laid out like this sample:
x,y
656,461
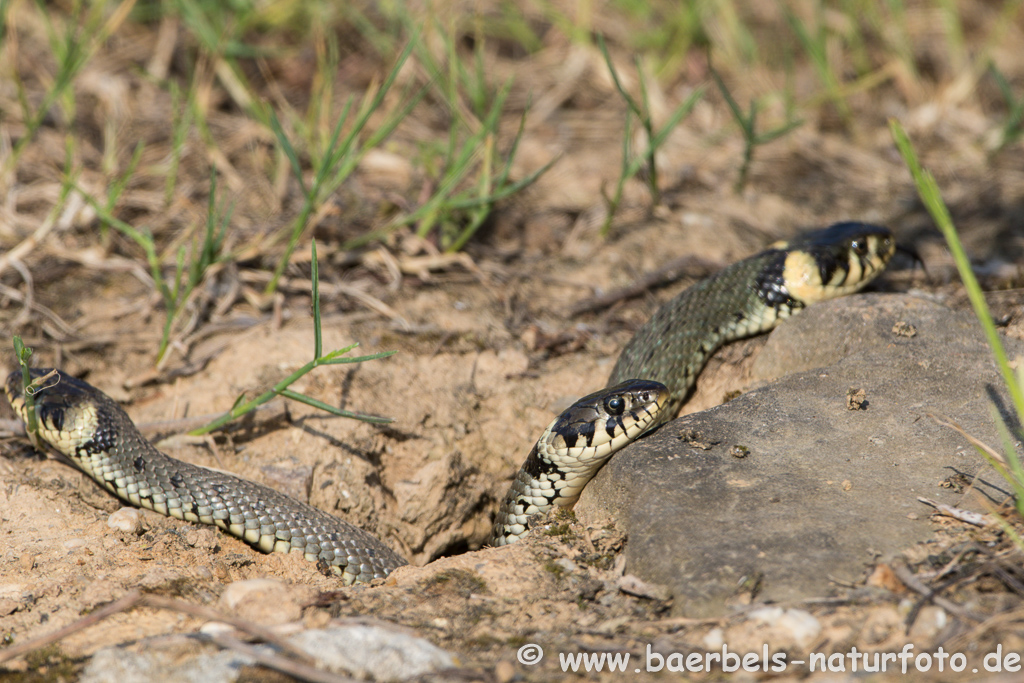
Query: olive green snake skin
x,y
746,298
649,383
750,297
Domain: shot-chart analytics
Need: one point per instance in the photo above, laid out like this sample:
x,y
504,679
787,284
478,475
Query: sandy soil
x,y
487,352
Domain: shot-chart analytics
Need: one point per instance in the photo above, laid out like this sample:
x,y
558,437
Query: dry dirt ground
x,y
487,352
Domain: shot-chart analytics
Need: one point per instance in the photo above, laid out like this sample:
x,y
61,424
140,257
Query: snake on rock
x,y
746,298
650,381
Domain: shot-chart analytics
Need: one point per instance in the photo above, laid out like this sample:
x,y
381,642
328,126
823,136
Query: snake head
x,y
838,260
599,424
66,409
572,449
849,254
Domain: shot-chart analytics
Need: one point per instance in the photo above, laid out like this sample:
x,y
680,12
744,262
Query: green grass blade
x,y
22,353
332,359
289,149
317,335
327,408
928,190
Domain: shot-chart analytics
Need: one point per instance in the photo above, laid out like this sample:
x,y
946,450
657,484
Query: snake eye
x,y
615,405
859,247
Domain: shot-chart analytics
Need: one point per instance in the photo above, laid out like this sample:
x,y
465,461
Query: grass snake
x,y
649,383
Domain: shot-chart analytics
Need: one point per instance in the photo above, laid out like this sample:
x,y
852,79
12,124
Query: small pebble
x,y
633,585
793,625
929,623
767,616
904,329
126,519
856,399
238,591
265,601
568,565
8,606
215,628
884,577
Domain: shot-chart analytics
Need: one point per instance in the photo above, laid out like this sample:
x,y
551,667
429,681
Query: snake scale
x,y
649,383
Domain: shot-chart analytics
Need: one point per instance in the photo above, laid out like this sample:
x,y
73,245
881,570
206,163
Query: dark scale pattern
x,y
119,458
524,493
105,436
770,284
571,450
536,465
53,413
577,430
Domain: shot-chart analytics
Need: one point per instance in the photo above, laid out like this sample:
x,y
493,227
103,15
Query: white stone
x,y
126,519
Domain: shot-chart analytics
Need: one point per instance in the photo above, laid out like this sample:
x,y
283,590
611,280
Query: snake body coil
x,y
747,298
649,383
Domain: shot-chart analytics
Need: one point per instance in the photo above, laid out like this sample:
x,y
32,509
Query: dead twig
x,y
137,599
993,453
120,605
65,330
30,299
29,243
975,518
12,427
692,266
909,580
248,627
331,291
303,672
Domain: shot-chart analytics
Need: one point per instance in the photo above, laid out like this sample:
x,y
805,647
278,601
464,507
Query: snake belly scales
x,y
649,383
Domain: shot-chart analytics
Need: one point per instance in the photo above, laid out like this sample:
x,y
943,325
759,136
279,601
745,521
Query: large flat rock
x,y
822,489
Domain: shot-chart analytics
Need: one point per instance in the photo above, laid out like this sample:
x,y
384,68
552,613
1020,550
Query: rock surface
x,y
807,480
378,652
381,652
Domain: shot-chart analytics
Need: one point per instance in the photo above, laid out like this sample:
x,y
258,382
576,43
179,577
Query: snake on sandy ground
x,y
651,380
